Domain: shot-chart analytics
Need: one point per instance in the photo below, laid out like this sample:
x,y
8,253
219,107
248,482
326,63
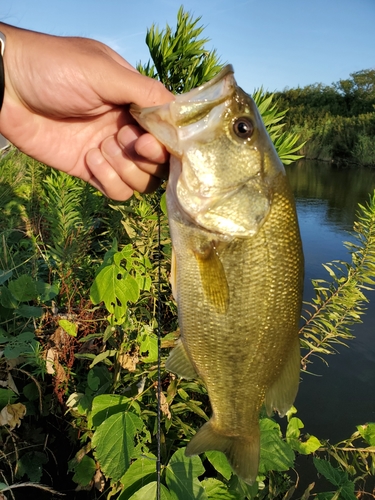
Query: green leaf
x,y
293,434
182,477
216,490
5,275
7,396
243,490
149,347
46,291
105,405
367,431
335,476
220,462
31,465
103,357
113,441
7,299
69,327
148,492
84,471
93,381
31,391
21,344
140,472
115,287
29,311
275,454
24,288
293,429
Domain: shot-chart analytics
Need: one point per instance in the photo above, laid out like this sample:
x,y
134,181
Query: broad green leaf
x,y
115,287
242,489
149,347
105,405
21,344
102,357
7,396
93,381
293,429
23,337
5,275
148,492
275,454
367,431
144,282
84,471
141,472
182,477
216,490
347,491
29,311
306,447
31,391
69,327
293,434
24,288
31,465
220,462
7,299
113,441
335,476
46,291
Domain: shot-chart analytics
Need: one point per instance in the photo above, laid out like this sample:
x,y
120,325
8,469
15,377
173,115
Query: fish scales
x,y
237,264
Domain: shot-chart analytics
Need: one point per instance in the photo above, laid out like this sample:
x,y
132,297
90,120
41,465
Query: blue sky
x,y
274,43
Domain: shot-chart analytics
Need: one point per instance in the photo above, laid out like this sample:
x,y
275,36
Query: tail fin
x,y
242,452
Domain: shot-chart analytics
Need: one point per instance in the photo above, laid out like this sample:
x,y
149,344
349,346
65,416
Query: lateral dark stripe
x,y
2,81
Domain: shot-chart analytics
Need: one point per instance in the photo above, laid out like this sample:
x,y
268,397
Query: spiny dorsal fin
x,y
214,281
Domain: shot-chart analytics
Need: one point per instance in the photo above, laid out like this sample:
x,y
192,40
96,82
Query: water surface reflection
x,y
342,396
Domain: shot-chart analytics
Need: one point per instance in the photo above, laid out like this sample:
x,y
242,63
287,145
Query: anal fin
x,y
242,452
179,362
281,395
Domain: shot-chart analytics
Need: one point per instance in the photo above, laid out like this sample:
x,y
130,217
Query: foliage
x,y
79,281
336,122
182,63
180,59
339,303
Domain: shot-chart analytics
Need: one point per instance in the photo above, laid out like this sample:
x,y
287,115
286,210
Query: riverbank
x,y
336,122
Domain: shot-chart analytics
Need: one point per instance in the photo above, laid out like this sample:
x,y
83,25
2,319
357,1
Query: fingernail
x,y
110,147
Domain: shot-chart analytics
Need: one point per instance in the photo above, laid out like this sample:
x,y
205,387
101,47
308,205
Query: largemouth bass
x,y
237,265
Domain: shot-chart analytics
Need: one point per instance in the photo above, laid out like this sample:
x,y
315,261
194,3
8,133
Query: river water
x,y
342,395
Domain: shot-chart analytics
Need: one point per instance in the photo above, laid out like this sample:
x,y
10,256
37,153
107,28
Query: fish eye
x,y
243,128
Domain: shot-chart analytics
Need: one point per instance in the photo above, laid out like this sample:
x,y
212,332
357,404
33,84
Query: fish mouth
x,y
174,122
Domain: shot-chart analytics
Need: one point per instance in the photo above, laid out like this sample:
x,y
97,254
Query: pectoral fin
x,y
213,278
281,395
179,362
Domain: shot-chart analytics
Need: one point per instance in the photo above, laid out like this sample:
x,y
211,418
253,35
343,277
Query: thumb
x,y
121,84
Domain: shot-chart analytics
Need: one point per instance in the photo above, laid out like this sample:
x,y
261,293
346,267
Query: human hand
x,y
66,104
